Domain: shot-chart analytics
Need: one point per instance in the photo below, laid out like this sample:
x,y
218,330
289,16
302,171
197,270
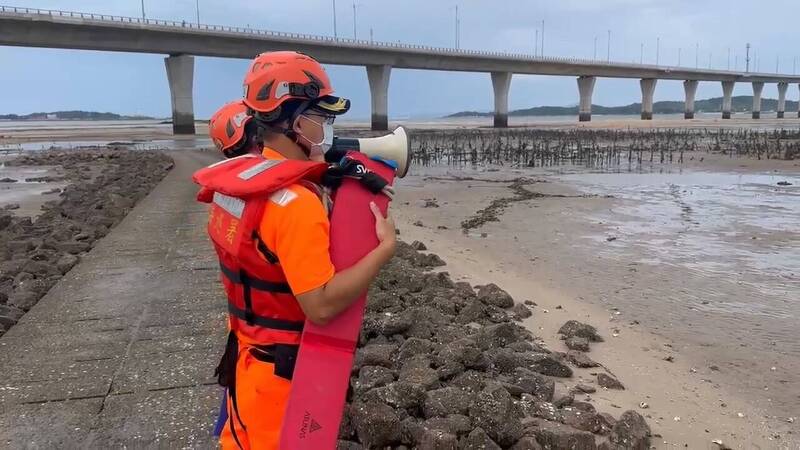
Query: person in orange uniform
x,y
291,278
233,131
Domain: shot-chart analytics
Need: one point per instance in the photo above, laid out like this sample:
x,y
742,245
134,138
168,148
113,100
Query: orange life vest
x,y
261,306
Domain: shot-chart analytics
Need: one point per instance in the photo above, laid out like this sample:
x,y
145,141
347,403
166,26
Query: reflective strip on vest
x,y
259,168
228,160
234,206
282,197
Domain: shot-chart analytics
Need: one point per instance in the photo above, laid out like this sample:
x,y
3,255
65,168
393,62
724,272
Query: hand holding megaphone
x,y
394,147
348,167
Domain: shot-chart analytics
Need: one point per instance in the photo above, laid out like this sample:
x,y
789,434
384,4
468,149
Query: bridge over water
x,y
181,41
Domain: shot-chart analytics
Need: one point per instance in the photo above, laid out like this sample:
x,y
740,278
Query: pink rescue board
x,y
322,373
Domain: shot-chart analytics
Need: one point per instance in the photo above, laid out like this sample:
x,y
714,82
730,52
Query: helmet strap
x,y
289,132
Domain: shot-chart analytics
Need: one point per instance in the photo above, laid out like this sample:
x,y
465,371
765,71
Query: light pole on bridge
x,y
458,30
457,23
729,58
747,58
542,53
335,34
697,55
355,34
658,48
608,54
197,8
143,16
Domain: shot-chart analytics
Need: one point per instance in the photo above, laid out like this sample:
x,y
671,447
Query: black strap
x,y
256,283
249,315
263,353
266,322
373,182
283,356
271,257
232,394
226,376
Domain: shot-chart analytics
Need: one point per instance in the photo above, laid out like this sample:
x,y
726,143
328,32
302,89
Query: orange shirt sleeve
x,y
295,227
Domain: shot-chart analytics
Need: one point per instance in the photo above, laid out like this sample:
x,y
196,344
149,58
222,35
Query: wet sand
x,y
28,195
728,328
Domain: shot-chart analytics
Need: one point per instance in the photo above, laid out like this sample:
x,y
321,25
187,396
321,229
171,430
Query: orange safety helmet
x,y
277,77
227,126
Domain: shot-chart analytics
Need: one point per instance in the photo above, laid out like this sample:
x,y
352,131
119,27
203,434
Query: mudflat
x,y
691,270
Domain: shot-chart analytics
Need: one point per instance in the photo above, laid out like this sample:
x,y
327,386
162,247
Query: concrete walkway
x,y
121,352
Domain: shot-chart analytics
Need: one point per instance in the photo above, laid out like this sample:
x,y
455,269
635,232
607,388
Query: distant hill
x,y
739,103
72,115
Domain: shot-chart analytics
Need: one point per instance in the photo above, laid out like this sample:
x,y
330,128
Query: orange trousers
x,y
261,398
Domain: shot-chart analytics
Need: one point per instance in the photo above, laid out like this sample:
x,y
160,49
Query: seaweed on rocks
x,y
443,365
575,329
103,187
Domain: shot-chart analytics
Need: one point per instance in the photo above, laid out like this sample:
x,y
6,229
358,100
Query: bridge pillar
x,y
690,88
501,82
378,75
758,86
782,87
180,73
727,98
648,88
585,87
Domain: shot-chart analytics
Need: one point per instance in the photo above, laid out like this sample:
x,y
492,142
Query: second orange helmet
x,y
227,126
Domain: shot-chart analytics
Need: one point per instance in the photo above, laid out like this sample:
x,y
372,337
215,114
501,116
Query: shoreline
x,y
103,133
688,387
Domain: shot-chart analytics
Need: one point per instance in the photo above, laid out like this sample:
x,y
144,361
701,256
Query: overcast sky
x,y
45,80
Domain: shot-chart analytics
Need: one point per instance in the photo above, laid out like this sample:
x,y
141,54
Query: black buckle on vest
x,y
283,356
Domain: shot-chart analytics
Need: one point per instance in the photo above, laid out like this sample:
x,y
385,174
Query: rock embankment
x,y
103,187
442,366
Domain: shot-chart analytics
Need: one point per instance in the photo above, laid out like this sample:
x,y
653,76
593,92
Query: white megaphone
x,y
393,147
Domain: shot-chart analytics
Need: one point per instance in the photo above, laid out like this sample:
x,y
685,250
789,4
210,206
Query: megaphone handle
x,y
388,191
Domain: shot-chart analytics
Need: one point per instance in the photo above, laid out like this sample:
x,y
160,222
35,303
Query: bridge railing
x,y
254,31
359,43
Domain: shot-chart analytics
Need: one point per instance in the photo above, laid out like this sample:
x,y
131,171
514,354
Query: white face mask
x,y
320,148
